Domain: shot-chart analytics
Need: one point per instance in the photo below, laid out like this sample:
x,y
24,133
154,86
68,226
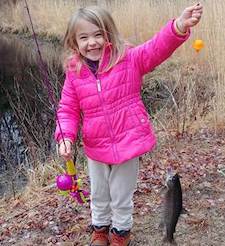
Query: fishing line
x,y
74,191
44,73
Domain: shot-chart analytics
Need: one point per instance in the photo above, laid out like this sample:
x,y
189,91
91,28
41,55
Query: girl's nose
x,y
92,41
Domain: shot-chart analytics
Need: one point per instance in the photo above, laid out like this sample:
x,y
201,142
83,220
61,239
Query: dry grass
x,y
137,21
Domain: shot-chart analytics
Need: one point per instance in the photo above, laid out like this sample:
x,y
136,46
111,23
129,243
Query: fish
x,y
173,206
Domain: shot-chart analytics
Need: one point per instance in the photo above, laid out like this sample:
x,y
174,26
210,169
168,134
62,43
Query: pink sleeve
x,y
68,113
156,50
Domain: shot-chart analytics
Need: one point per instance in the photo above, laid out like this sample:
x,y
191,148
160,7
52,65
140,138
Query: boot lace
x,y
99,235
118,240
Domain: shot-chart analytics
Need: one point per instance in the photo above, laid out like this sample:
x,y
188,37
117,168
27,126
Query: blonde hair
x,y
101,18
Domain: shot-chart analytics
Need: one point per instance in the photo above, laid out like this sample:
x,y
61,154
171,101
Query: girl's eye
x,y
98,35
83,37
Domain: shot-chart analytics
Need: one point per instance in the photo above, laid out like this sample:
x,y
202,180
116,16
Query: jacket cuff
x,y
69,137
65,139
177,32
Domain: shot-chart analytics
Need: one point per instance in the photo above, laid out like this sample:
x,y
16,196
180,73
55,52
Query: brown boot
x,y
100,236
119,238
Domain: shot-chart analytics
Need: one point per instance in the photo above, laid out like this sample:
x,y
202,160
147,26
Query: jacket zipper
x,y
99,89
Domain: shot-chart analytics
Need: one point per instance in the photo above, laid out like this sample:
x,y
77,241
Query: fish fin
x,y
184,211
161,226
163,190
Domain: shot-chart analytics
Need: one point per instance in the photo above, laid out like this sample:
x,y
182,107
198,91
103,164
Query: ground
x,y
42,217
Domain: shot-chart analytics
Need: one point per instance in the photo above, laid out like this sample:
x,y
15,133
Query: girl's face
x,y
90,40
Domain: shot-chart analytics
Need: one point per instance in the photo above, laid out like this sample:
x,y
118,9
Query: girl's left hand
x,y
189,17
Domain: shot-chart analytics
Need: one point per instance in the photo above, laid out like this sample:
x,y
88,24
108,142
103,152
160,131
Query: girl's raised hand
x,y
65,149
189,17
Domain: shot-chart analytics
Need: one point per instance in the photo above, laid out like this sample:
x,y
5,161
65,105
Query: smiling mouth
x,y
97,49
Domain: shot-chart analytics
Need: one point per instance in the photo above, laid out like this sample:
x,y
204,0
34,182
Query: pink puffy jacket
x,y
115,124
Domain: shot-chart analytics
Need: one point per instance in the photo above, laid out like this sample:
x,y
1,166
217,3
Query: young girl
x,y
102,90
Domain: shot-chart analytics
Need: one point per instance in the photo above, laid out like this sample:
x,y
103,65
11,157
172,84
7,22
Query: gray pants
x,y
112,189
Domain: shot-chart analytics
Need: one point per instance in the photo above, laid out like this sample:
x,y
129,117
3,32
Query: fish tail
x,y
169,239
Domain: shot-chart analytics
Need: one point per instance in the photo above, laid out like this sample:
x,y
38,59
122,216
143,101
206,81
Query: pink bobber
x,y
64,182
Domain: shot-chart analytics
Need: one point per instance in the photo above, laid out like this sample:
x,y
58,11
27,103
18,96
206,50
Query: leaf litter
x,y
41,217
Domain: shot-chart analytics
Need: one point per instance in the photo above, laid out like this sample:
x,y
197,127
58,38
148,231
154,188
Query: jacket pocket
x,y
142,118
